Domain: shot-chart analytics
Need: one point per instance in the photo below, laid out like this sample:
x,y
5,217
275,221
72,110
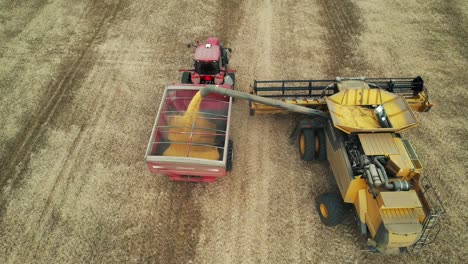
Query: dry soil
x,y
80,84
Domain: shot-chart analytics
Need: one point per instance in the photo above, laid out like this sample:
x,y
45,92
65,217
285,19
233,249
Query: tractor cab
x,y
210,64
207,67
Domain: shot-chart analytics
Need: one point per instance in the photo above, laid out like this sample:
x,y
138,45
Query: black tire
x,y
362,227
230,156
312,144
321,153
233,77
251,112
186,78
307,144
330,208
224,57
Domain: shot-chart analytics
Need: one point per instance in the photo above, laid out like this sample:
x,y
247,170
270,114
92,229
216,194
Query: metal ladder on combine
x,y
431,227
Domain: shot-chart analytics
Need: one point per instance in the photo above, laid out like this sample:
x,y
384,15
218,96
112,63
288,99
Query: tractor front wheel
x,y
186,78
331,210
233,78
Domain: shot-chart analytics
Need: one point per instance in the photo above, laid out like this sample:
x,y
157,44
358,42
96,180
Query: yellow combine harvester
x,y
356,125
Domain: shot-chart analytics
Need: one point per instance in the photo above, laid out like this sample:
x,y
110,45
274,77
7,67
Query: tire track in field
x,y
440,140
294,183
456,20
61,92
235,212
288,202
177,230
342,23
256,165
72,79
32,9
58,194
231,15
177,219
77,170
292,216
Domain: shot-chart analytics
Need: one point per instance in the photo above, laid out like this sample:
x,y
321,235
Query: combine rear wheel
x,y
331,210
312,144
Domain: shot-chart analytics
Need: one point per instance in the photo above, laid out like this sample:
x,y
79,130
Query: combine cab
x,y
210,64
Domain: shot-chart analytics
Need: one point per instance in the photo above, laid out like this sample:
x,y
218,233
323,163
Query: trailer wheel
x,y
312,144
230,156
330,207
186,78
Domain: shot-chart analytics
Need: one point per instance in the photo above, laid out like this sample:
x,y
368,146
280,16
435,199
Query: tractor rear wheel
x,y
312,144
331,210
186,78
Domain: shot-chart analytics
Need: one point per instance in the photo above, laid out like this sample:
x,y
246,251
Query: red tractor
x,y
210,64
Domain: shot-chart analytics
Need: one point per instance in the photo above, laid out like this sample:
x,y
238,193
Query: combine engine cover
x,y
391,208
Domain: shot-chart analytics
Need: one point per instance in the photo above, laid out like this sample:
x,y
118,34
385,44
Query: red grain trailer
x,y
197,148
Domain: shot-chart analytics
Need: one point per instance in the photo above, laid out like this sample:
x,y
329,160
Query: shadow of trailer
x,y
197,149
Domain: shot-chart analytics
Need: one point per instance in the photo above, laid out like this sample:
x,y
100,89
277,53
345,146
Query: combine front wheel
x,y
306,144
312,144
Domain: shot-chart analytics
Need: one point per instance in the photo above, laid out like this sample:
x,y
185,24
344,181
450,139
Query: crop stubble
x,y
75,187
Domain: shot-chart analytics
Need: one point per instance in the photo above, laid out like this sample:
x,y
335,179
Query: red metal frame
x,y
215,108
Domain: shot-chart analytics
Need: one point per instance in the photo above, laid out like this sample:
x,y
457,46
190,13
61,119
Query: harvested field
x,y
80,85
